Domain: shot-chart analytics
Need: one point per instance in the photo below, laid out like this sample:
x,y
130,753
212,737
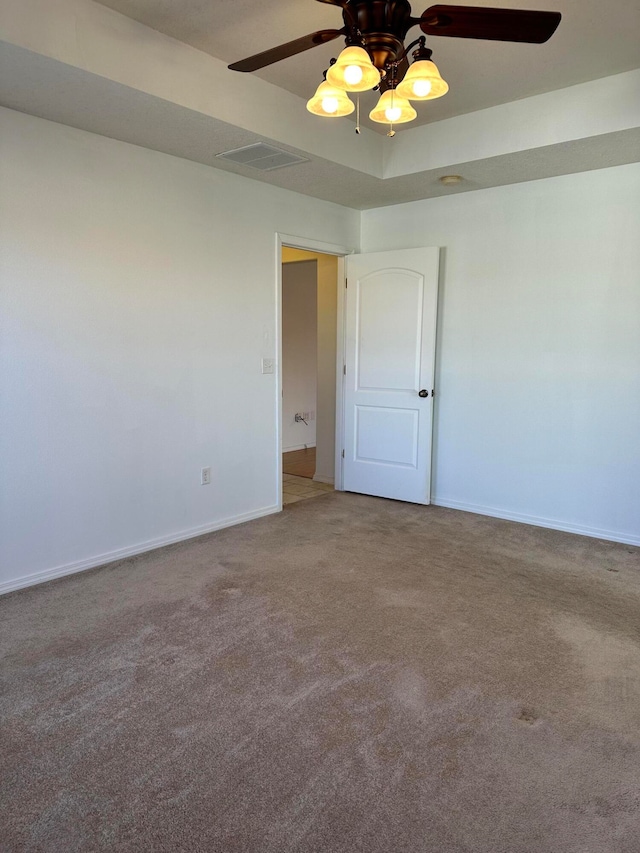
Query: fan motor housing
x,y
383,25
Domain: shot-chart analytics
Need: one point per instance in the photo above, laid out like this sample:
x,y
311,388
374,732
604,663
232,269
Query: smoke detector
x,y
450,180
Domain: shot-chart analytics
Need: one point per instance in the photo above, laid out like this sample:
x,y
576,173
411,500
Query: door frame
x,y
310,245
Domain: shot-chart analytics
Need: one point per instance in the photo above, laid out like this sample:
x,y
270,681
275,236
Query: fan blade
x,y
284,51
475,22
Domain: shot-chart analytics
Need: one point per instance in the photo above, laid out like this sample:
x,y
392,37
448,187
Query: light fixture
x,y
450,180
375,33
353,71
392,108
329,101
422,82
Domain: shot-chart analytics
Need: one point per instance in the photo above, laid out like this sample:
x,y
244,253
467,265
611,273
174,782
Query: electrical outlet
x,y
267,365
205,476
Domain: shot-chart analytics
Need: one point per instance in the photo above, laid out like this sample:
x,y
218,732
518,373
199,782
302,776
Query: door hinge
x,y
346,283
344,369
343,454
433,393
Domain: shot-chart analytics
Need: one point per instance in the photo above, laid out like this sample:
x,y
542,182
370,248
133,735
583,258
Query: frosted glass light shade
x,y
392,108
330,102
422,82
353,71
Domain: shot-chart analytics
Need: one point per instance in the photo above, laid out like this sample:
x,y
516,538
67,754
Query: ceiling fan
x,y
376,57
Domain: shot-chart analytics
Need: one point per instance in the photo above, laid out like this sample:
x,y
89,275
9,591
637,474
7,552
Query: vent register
x,y
266,158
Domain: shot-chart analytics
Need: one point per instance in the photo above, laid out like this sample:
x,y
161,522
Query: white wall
x,y
134,319
90,37
299,353
133,322
538,374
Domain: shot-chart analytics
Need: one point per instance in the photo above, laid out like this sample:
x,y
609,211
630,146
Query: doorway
x,y
382,444
309,357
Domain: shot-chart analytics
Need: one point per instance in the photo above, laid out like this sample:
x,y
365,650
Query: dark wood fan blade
x,y
284,51
475,22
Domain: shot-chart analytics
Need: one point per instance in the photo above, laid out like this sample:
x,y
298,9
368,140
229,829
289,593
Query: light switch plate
x,y
267,365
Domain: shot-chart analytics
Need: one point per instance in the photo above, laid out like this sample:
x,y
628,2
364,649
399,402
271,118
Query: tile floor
x,y
301,489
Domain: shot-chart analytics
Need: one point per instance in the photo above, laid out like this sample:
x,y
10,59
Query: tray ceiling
x,y
593,41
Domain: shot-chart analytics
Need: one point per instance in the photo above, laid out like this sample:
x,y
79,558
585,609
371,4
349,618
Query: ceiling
x,y
153,73
594,39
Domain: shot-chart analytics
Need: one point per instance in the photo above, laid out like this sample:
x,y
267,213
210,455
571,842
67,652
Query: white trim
x,y
297,447
537,521
140,548
309,245
277,343
340,353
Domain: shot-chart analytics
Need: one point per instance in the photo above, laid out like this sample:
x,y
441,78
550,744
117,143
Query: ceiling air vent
x,y
263,157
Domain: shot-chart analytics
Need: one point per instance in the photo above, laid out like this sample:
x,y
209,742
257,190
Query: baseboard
x,y
152,544
536,521
320,478
298,447
123,553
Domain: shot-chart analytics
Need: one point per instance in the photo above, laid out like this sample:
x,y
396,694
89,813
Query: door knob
x,y
423,393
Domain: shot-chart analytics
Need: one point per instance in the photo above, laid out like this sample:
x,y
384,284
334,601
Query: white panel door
x,y
391,305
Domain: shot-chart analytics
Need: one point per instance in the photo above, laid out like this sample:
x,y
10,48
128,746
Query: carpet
x,y
353,674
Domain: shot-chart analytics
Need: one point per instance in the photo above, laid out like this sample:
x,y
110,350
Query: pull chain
x,y
358,113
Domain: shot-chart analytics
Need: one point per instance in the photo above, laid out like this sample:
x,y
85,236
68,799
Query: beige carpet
x,y
352,675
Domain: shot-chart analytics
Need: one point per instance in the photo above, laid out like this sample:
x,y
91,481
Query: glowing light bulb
x,y
352,74
421,88
330,105
393,113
